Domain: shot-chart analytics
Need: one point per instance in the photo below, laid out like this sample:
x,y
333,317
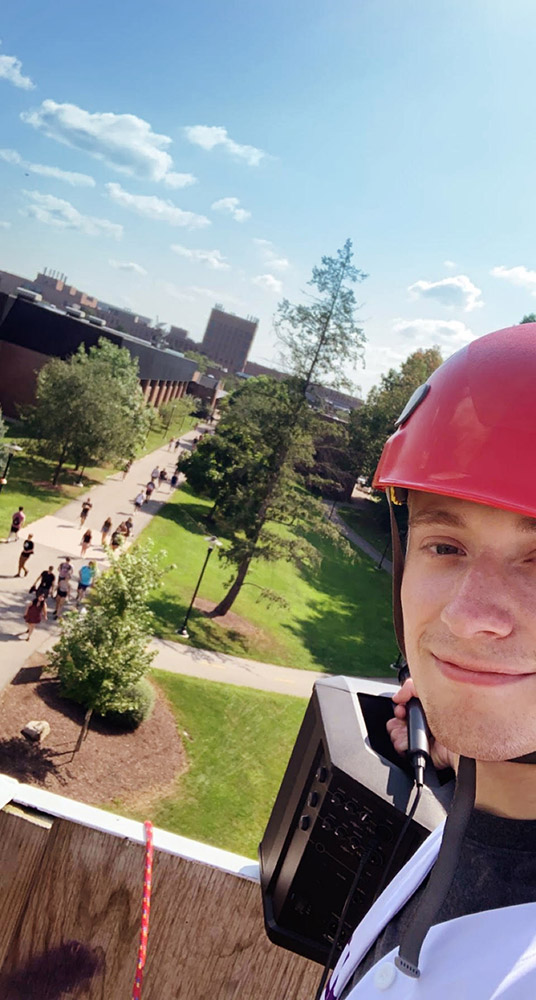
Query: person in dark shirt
x,y
27,551
45,582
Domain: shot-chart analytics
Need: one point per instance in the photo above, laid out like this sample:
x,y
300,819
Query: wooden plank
x,y
22,845
77,932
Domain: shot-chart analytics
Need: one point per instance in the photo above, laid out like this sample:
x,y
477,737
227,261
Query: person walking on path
x,y
17,522
149,490
171,443
62,594
163,476
155,474
139,501
65,570
86,542
173,482
105,530
126,468
129,525
86,507
27,551
35,613
116,540
85,579
44,583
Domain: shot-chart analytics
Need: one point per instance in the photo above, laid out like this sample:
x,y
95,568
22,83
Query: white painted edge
x,y
129,829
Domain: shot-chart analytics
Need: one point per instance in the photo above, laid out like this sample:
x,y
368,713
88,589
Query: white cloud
x,y
62,215
175,180
10,70
210,136
213,258
270,255
125,142
155,208
128,265
230,207
269,282
521,276
69,176
5,225
451,264
449,335
458,291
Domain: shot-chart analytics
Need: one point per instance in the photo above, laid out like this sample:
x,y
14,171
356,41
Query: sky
x,y
171,157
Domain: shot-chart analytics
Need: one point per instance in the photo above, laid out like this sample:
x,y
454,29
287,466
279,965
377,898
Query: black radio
x,y
342,804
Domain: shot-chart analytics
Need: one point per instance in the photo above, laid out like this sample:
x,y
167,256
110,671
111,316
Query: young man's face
x,y
469,602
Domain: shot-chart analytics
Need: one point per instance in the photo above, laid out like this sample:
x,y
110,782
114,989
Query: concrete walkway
x,y
360,542
58,535
212,666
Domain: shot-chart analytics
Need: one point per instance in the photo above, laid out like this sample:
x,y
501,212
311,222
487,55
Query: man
x,y
85,579
45,582
460,919
27,551
17,522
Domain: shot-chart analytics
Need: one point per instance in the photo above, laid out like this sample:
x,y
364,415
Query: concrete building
x,y
228,338
32,333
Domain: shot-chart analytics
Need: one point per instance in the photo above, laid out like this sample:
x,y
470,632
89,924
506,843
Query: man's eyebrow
x,y
435,515
438,516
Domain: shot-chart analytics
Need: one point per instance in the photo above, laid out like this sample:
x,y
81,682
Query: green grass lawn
x,y
338,617
226,796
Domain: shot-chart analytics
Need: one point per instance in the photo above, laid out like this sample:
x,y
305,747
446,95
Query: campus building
x,y
31,333
228,338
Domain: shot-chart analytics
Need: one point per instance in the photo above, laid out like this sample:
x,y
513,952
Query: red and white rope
x,y
146,909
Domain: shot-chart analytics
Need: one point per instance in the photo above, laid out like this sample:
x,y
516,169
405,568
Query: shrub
x,y
142,697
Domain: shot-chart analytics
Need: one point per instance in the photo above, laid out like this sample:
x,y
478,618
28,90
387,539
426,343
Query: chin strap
x,y
443,871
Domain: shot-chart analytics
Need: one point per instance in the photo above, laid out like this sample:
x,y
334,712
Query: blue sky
x,y
253,138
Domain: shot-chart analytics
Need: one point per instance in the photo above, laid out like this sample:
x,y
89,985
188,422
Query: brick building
x,y
228,338
31,333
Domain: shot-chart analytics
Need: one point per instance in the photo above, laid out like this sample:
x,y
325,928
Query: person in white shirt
x,y
459,920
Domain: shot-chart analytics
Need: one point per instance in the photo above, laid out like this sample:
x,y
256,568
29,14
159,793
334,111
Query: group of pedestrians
x,y
57,586
160,477
37,610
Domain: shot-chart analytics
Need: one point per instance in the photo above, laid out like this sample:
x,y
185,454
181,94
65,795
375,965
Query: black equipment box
x,y
345,792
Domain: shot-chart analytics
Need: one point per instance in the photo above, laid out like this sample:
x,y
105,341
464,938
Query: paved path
x,y
59,535
212,666
360,542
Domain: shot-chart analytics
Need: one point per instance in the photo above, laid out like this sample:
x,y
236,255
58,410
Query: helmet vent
x,y
413,402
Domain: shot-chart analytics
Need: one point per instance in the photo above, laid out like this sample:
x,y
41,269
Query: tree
x,y
529,318
89,407
267,431
102,653
372,423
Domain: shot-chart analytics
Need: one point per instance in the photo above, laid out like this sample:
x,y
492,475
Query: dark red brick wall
x,y
18,367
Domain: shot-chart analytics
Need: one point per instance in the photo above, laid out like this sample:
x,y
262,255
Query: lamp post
x,y
213,543
13,449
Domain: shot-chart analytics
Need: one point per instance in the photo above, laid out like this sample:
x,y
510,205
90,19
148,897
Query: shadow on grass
x,y
203,633
349,631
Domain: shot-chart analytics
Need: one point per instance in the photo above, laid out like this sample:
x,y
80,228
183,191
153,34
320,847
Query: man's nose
x,y
479,602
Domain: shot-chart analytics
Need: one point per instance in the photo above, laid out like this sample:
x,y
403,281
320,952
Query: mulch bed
x,y
138,768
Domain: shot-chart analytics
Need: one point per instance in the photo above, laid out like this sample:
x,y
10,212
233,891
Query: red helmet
x,y
470,431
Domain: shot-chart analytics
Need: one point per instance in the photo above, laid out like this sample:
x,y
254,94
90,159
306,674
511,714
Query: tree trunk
x,y
59,466
83,732
223,607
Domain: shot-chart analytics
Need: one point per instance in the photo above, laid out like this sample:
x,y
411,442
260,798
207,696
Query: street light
x,y
12,449
213,543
